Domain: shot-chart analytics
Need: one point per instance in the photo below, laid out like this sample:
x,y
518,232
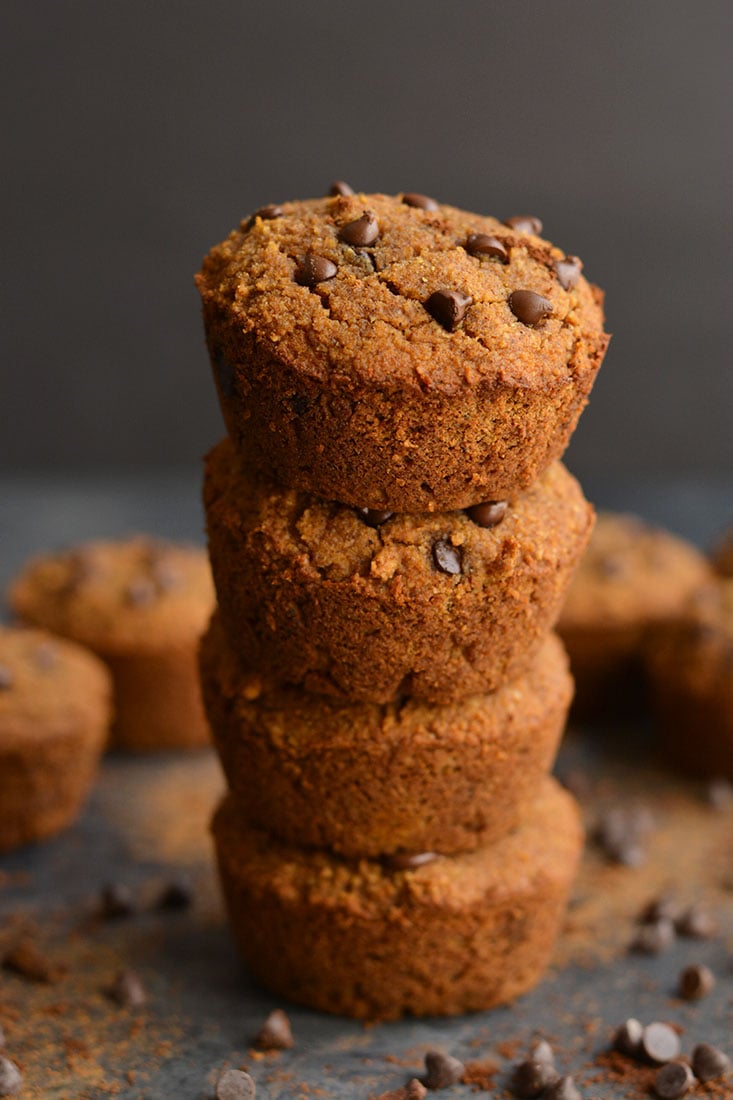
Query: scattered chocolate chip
x,y
413,1090
562,1089
441,1070
530,1078
665,907
116,901
696,982
448,307
362,232
660,1043
568,272
235,1084
11,1080
312,269
482,244
6,678
407,861
488,514
653,938
25,959
709,1062
275,1033
697,923
128,990
141,592
541,1051
529,308
719,794
525,223
422,202
447,557
620,833
176,895
628,1038
373,517
673,1080
339,187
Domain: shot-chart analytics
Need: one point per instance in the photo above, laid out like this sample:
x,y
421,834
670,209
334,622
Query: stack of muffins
x,y
391,537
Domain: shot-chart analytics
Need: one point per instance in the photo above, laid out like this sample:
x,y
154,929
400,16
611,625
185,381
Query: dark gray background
x,y
137,133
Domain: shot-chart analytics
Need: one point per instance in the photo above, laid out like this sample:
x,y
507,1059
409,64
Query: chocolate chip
x,y
362,232
46,656
673,1080
628,1038
562,1089
531,1078
11,1080
340,187
267,213
312,269
620,833
447,557
141,592
176,895
568,272
116,901
541,1051
529,308
696,982
224,372
488,514
413,1090
709,1062
6,678
665,907
660,1043
653,938
275,1033
719,794
373,517
422,202
697,923
128,990
441,1070
407,861
482,244
525,223
235,1084
448,307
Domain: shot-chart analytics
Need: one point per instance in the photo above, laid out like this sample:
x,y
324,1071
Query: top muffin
x,y
390,352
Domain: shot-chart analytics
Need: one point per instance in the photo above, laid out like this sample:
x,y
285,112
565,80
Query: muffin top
x,y
632,573
48,687
400,290
134,595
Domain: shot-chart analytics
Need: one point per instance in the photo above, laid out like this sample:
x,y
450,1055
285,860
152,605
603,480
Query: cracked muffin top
x,y
402,290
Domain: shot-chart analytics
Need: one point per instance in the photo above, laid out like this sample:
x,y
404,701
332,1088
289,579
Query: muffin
x,y
447,935
362,606
633,577
397,356
55,709
366,779
141,605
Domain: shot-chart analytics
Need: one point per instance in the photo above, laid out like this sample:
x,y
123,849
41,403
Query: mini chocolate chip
x,y
562,1089
422,202
268,213
312,269
660,1043
373,517
442,1070
275,1033
447,557
628,1037
128,990
530,1078
620,833
673,1080
6,678
525,223
362,232
481,244
141,592
407,861
116,901
653,938
339,187
541,1051
224,374
448,307
529,308
488,514
568,272
235,1084
664,907
11,1079
176,895
696,982
709,1062
719,794
697,923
